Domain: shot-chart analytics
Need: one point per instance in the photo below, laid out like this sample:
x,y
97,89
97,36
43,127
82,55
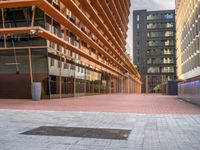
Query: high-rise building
x,y
71,47
154,50
188,48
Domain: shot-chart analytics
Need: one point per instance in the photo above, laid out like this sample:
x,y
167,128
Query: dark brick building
x,y
154,44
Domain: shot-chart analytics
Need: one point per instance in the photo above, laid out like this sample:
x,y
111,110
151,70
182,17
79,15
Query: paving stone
x,y
150,131
127,103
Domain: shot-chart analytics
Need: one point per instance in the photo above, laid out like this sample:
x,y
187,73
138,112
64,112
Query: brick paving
x,y
156,122
149,131
154,104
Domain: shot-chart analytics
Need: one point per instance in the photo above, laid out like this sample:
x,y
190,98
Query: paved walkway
x,y
157,123
149,131
155,104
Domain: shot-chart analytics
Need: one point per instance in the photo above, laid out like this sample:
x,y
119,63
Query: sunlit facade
x,y
188,48
72,47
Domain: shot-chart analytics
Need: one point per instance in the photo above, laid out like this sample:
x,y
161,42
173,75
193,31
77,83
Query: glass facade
x,y
15,70
18,56
68,80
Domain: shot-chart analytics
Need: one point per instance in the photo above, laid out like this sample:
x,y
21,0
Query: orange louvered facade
x,y
71,47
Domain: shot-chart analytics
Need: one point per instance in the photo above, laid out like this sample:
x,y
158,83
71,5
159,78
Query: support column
x,y
74,78
99,82
122,84
60,78
30,65
147,85
3,20
85,86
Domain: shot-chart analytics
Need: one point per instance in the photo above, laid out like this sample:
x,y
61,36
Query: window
x,y
23,17
55,2
168,51
149,61
169,16
59,64
169,25
168,70
155,34
153,43
153,16
68,13
66,66
78,69
169,33
168,60
72,67
52,61
138,18
138,26
169,42
1,40
153,70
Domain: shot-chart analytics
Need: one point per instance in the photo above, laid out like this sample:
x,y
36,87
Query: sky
x,y
149,5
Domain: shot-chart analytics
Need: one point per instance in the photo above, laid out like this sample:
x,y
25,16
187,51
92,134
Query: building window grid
x,y
192,39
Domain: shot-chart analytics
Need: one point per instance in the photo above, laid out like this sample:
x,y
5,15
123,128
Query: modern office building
x,y
154,50
188,48
71,47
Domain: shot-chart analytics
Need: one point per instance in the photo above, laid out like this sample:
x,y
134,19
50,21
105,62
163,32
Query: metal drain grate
x,y
80,132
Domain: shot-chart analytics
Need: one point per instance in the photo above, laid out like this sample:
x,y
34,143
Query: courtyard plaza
x,y
155,122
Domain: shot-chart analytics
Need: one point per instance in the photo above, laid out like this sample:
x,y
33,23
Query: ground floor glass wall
x,y
19,68
70,79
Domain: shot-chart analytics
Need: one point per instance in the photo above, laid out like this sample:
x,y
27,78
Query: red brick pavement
x,y
129,103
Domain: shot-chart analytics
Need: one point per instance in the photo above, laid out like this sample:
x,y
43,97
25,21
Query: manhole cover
x,y
99,133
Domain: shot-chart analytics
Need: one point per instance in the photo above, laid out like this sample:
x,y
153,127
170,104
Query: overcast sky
x,y
149,5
